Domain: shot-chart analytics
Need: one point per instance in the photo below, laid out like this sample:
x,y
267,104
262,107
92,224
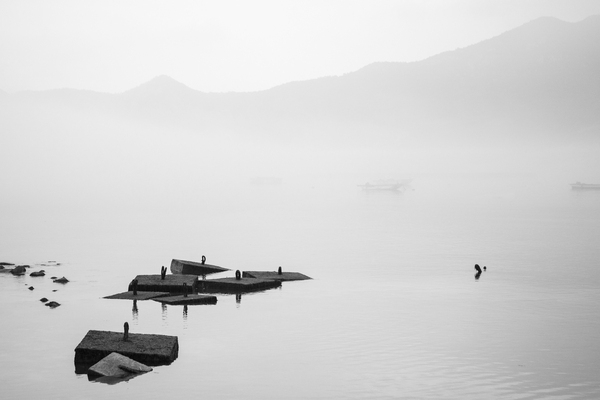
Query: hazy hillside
x,y
527,99
540,79
538,82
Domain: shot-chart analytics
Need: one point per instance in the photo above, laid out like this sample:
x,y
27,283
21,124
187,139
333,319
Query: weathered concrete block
x,y
117,365
284,276
171,283
194,268
143,348
189,299
233,285
138,296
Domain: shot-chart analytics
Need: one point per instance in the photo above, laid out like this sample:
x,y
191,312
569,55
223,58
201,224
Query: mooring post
x,y
125,331
163,272
238,276
279,271
184,289
203,260
134,284
477,268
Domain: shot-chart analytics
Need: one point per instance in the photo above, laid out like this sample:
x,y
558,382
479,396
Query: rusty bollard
x,y
125,331
134,284
203,260
184,289
238,276
279,271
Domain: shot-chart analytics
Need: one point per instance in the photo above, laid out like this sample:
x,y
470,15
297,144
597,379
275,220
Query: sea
x,y
394,309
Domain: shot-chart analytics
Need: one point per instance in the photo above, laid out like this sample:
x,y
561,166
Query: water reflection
x,y
238,299
134,310
164,311
111,380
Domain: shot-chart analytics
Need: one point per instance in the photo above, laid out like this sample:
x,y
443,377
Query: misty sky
x,y
220,46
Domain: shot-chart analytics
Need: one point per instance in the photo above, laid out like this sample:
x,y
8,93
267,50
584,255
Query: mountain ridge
x,y
538,79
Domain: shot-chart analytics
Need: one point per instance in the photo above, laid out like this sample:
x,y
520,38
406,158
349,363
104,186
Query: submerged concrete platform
x,y
171,283
143,348
138,296
284,276
189,299
233,285
118,366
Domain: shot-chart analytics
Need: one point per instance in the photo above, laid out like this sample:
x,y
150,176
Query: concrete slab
x,y
285,276
171,283
194,268
139,296
190,299
143,348
232,285
117,365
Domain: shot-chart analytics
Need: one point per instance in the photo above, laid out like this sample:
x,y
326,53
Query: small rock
x,y
43,299
61,280
55,290
6,263
52,304
38,273
19,270
30,288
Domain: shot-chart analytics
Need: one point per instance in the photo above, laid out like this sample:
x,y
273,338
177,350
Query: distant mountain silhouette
x,y
160,85
538,83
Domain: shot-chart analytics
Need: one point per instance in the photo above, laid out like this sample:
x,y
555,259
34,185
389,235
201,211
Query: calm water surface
x,y
394,310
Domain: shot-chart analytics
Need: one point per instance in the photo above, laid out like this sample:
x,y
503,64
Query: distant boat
x,y
194,268
386,185
585,186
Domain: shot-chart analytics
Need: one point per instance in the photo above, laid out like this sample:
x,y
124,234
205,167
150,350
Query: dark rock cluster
x,y
20,270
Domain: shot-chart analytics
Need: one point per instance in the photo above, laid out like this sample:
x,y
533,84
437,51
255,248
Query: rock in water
x,y
38,273
61,280
52,304
19,270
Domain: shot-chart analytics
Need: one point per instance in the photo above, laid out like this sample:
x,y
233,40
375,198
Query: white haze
x,y
116,163
61,164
